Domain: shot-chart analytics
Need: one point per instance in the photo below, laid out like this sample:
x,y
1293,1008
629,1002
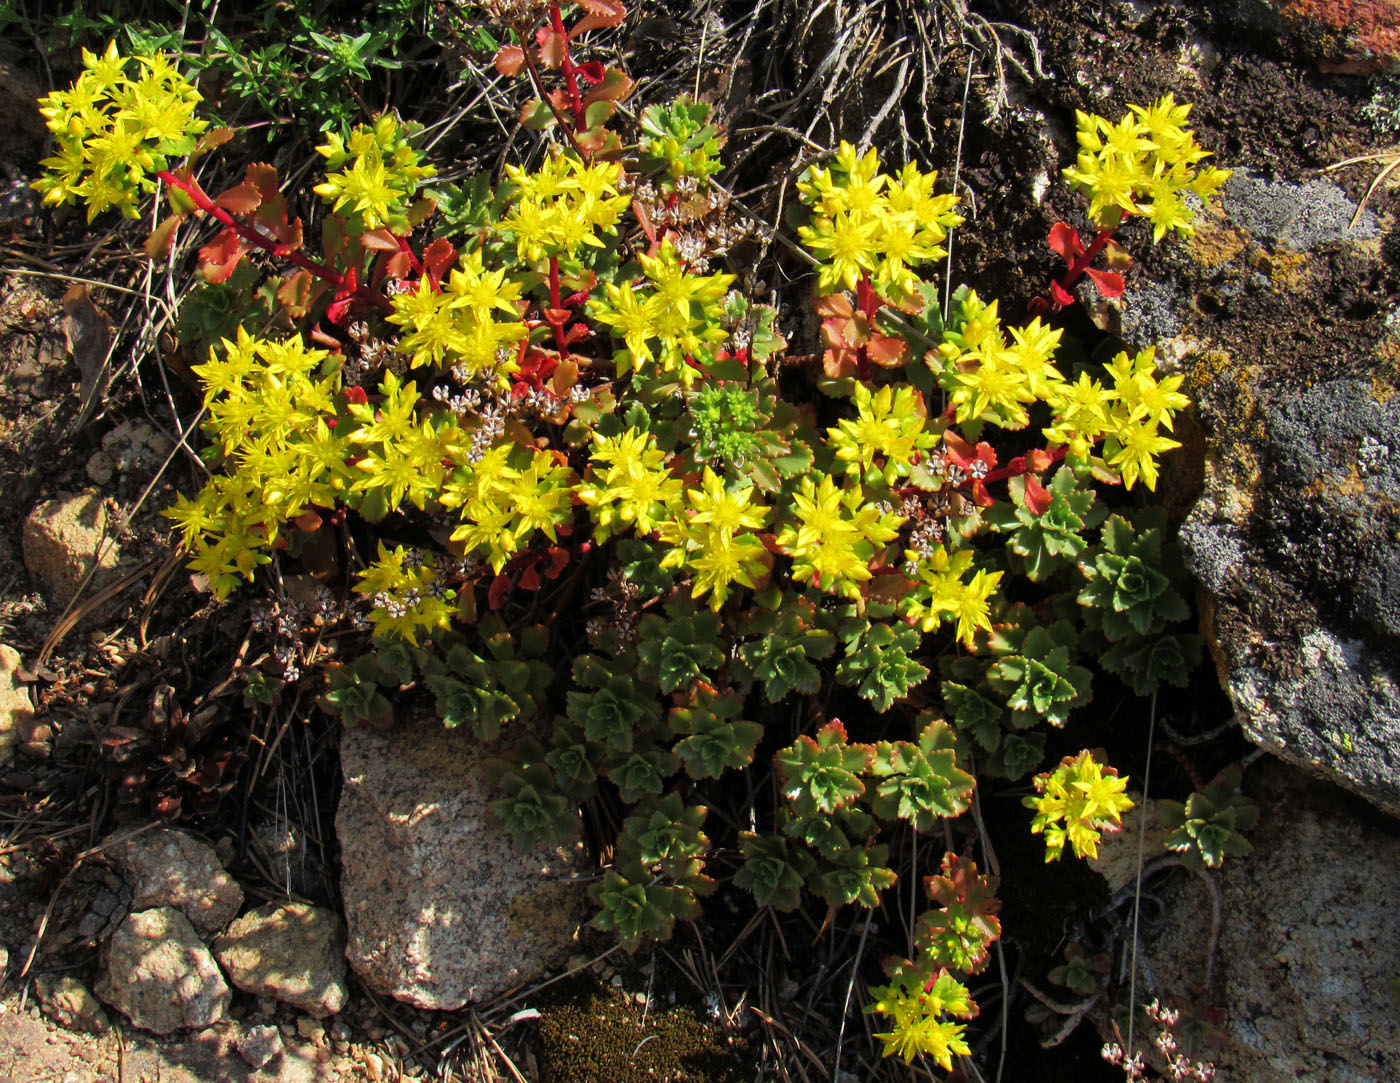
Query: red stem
x,y
556,20
253,236
1079,266
556,306
1076,270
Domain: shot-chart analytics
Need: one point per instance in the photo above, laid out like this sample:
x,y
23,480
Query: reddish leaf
x,y
615,87
551,47
1110,283
398,265
380,240
356,395
530,577
308,521
1038,460
600,14
264,176
510,60
592,71
558,561
496,596
439,256
240,199
295,294
1037,496
1065,242
1060,296
645,220
834,304
219,258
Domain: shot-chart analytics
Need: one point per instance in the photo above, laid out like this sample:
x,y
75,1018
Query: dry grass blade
x,y
1391,160
78,610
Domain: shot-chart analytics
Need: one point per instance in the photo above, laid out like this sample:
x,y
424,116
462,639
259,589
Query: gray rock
x,y
1299,216
259,1046
1303,560
1309,946
64,538
170,868
160,976
69,1003
16,709
440,908
293,952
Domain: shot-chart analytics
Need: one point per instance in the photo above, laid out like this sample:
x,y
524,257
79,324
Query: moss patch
x,y
596,1032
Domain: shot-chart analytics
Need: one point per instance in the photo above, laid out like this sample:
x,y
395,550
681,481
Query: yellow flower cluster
x,y
407,594
917,1022
714,539
566,203
941,593
458,324
885,437
269,407
113,131
835,535
505,497
868,223
1142,165
631,486
403,454
1127,418
676,321
377,174
989,379
1077,801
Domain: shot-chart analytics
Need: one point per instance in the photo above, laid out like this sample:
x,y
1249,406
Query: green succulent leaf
x,y
823,772
774,870
879,666
716,740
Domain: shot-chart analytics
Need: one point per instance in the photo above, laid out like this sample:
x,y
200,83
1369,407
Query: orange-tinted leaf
x,y
564,379
215,137
615,87
381,240
887,351
219,258
510,60
834,304
264,176
162,237
1037,496
439,256
551,47
598,15
295,294
240,199
1060,296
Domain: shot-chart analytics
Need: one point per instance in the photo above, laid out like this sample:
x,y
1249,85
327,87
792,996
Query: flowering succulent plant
x,y
568,396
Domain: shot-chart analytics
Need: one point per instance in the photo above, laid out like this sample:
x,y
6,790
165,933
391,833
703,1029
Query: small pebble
x,y
340,1030
311,1030
259,1045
